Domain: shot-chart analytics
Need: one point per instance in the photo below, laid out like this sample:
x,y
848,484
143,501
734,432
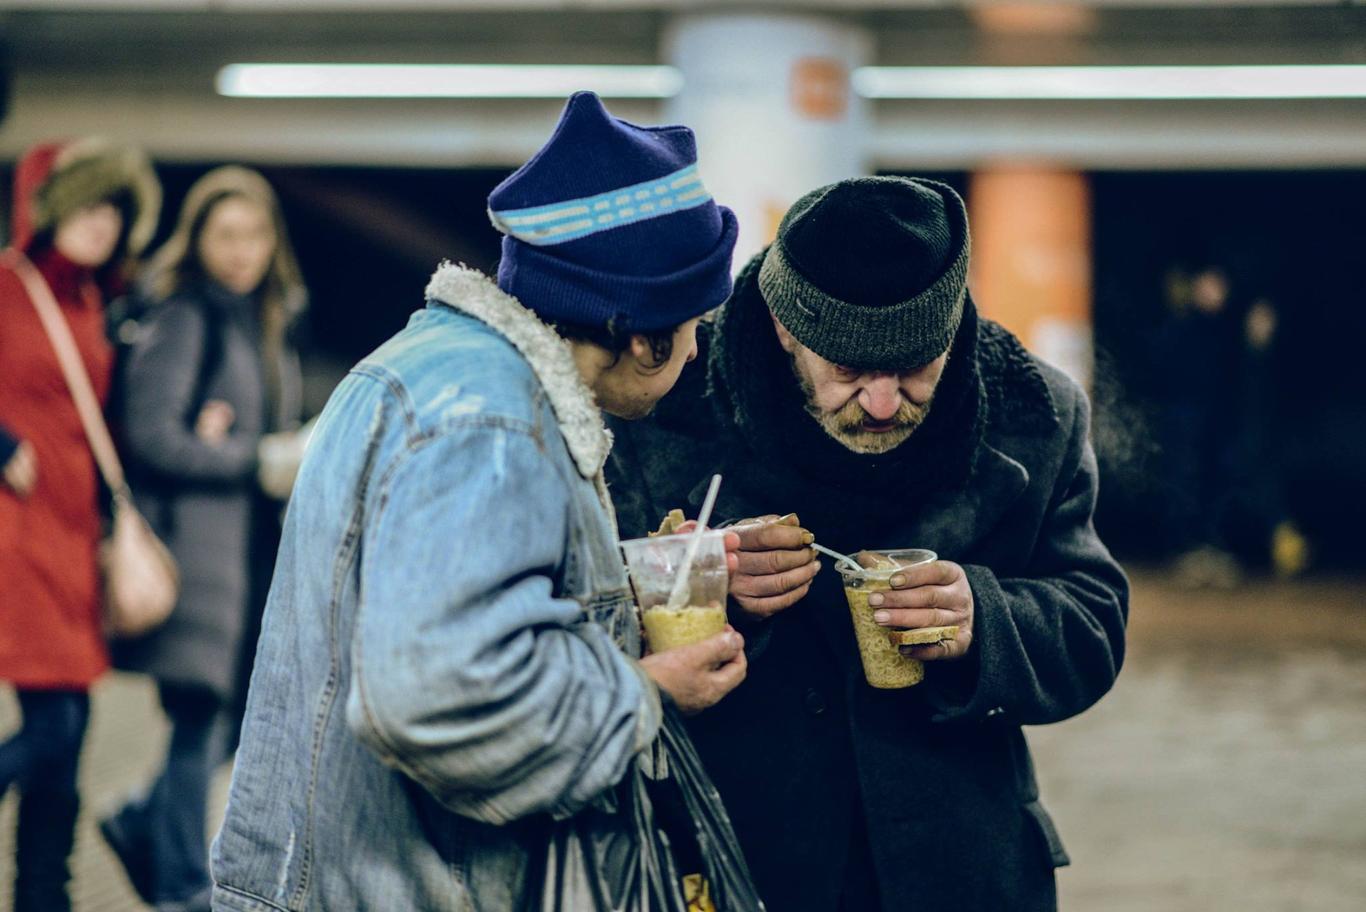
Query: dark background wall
x,y
1294,238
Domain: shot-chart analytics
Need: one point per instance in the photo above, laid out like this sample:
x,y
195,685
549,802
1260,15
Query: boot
x,y
126,834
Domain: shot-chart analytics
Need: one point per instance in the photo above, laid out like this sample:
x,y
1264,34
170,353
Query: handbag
x,y
141,580
660,841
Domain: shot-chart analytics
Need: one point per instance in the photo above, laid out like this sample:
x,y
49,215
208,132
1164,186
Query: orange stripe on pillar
x,y
1031,260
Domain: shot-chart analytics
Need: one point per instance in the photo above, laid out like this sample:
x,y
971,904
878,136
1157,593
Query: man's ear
x,y
785,338
643,354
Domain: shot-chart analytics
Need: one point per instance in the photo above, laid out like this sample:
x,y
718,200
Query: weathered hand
x,y
776,565
21,472
932,595
697,676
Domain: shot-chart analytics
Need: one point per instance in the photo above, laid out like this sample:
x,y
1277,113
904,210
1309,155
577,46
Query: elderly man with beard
x,y
850,381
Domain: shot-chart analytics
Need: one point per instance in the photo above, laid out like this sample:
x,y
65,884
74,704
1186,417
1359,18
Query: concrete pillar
x,y
770,100
1031,260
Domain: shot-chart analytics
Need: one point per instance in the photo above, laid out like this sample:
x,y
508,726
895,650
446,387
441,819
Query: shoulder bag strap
x,y
73,369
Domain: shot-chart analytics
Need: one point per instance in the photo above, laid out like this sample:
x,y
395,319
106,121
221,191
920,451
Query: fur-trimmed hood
x,y
470,291
53,180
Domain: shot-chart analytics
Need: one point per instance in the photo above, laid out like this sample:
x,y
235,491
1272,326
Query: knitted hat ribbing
x,y
610,224
871,273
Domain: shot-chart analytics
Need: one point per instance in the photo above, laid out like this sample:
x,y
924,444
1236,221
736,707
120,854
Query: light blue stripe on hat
x,y
570,220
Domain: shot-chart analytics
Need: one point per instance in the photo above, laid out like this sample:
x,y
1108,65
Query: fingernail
x,y
808,538
733,640
898,582
875,599
882,617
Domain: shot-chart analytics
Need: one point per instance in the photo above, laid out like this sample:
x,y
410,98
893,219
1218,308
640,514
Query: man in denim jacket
x,y
449,644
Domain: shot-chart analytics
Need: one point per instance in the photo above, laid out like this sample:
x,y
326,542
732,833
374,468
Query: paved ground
x,y
1227,771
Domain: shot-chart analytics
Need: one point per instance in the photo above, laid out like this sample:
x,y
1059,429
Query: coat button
x,y
815,703
994,712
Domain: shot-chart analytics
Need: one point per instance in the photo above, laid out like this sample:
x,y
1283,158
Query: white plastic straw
x,y
679,596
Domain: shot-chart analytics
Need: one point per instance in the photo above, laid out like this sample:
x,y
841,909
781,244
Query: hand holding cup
x,y
699,674
934,594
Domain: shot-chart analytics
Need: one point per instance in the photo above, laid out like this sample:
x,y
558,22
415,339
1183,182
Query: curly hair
x,y
618,340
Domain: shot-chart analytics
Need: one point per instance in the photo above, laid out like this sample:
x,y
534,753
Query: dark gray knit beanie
x,y
871,273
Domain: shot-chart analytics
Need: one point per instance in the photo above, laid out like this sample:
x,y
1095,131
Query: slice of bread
x,y
922,636
670,523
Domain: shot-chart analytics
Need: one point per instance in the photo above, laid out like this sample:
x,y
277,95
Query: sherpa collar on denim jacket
x,y
470,291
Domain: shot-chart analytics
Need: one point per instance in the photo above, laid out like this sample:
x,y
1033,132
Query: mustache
x,y
851,418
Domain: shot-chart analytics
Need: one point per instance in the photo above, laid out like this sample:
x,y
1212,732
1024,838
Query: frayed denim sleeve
x,y
468,673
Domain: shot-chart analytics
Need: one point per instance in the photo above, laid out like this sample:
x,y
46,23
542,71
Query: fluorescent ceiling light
x,y
1112,82
370,80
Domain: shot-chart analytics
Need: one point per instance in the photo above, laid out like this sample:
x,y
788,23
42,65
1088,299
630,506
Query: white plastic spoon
x,y
843,558
678,597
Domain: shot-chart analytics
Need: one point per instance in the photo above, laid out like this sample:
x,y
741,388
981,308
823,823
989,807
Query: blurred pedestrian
x,y
1257,518
81,211
209,382
1198,351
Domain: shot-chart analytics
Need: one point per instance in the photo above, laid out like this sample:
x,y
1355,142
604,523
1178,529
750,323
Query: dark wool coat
x,y
804,752
198,497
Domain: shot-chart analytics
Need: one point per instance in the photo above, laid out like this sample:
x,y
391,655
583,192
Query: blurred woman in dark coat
x,y
210,386
81,210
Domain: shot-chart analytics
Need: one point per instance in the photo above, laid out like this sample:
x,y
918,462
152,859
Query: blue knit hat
x,y
610,225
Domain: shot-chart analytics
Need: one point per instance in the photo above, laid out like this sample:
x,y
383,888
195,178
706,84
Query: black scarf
x,y
781,455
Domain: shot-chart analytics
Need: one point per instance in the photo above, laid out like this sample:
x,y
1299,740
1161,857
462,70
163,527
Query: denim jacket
x,y
447,656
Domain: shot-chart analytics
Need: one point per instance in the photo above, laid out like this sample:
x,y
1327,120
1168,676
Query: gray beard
x,y
863,442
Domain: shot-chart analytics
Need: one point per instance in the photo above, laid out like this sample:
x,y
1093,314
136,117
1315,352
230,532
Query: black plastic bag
x,y
629,852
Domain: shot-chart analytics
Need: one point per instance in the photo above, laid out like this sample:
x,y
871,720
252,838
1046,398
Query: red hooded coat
x,y
50,636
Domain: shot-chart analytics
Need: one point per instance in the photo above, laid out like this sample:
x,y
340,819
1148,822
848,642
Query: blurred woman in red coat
x,y
81,210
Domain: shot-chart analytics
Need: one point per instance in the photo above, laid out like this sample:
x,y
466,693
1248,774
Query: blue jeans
x,y
41,759
168,826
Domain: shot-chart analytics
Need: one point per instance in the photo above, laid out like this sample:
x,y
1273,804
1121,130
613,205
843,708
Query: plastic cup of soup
x,y
883,664
653,565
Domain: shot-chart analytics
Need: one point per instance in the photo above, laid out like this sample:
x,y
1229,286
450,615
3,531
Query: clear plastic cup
x,y
653,564
883,664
